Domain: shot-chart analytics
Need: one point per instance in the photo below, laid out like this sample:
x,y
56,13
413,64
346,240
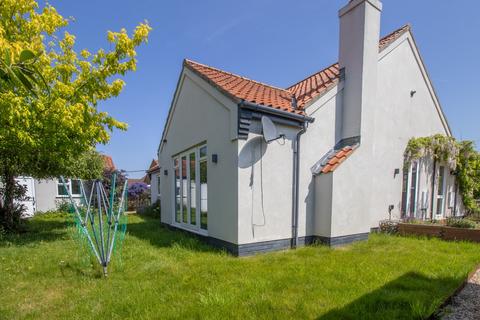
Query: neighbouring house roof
x,y
154,166
108,162
333,159
241,88
132,181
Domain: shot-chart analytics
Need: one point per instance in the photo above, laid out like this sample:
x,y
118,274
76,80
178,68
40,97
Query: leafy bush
x,y
152,210
64,206
3,232
461,223
389,226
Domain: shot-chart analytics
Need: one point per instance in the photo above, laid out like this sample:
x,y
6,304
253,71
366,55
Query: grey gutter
x,y
271,110
296,181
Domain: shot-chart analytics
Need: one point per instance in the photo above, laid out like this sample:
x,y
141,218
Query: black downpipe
x,y
296,174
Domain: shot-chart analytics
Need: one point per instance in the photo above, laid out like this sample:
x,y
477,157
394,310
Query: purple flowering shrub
x,y
137,190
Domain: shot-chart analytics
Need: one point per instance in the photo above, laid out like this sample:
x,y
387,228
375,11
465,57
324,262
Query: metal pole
x,y
89,205
100,223
120,208
84,230
109,219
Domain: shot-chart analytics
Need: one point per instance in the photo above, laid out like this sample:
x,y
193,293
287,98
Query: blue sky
x,y
274,41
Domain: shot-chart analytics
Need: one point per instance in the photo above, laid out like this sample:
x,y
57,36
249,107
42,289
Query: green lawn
x,y
164,274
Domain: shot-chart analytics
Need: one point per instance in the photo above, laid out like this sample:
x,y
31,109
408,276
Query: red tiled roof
x,y
315,84
154,166
108,163
241,88
245,89
388,39
337,158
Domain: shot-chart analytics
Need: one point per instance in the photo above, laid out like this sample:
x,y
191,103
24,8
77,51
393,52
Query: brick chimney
x,y
358,56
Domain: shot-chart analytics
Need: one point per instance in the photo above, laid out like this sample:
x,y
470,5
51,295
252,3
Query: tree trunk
x,y
8,219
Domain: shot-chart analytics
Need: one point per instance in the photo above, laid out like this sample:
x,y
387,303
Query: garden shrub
x,y
64,206
152,210
461,223
389,226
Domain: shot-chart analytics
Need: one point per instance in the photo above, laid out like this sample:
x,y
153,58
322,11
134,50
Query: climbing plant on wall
x,y
461,157
438,147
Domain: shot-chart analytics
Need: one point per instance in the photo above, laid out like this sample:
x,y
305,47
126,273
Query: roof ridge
x,y
236,75
311,75
405,27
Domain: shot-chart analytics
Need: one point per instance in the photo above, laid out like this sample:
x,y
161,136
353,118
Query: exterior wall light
x,y
397,171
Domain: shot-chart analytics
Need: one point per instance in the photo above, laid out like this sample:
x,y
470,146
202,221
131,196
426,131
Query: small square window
x,y
62,188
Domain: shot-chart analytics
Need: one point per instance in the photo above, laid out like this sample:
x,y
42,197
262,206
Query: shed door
x,y
29,203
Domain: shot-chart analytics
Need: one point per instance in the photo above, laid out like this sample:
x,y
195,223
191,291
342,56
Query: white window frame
x,y
442,196
409,187
188,226
68,183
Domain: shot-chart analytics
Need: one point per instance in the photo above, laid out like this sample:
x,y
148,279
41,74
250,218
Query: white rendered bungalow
x,y
336,168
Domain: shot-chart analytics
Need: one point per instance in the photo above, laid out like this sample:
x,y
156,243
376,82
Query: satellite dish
x,y
251,152
269,130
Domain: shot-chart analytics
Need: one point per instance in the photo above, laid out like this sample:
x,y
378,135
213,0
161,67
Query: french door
x,y
190,189
410,191
440,209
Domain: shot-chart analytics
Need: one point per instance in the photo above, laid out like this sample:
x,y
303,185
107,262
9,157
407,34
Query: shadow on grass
x,y
40,230
161,236
411,296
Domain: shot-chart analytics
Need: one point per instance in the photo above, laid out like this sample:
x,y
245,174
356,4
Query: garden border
x,y
436,314
439,231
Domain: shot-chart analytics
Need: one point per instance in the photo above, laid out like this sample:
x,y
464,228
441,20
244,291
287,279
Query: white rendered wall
x,y
398,117
321,136
46,195
269,217
277,165
154,192
200,113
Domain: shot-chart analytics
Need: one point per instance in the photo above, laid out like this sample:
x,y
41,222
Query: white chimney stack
x,y
359,37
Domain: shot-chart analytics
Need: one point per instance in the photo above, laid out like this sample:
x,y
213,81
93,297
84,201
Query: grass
x,y
166,274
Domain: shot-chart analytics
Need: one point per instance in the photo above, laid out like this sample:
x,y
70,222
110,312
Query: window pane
x,y
184,190
404,192
441,177
76,189
203,151
413,188
158,184
193,184
61,188
178,211
203,195
441,191
439,206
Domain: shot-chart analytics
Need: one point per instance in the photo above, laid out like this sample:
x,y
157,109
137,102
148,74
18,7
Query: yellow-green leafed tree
x,y
49,121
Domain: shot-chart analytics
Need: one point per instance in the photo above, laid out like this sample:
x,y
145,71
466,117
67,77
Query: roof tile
x,y
337,157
